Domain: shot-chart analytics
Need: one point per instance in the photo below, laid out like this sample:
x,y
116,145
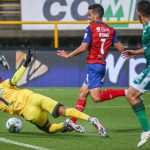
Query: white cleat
x,y
100,128
77,128
145,136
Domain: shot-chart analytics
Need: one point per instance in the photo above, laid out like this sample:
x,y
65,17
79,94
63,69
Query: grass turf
x,y
116,115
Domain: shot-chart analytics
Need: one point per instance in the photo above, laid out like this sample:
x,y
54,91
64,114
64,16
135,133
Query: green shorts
x,y
142,81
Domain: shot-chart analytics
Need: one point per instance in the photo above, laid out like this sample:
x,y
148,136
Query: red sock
x,y
79,106
111,93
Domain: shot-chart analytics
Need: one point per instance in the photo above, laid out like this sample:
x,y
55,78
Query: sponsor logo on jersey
x,y
102,29
103,34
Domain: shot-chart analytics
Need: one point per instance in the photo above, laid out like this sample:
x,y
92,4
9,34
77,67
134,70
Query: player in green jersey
x,y
141,83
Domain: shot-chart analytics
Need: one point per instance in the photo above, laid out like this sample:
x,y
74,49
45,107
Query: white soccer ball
x,y
14,125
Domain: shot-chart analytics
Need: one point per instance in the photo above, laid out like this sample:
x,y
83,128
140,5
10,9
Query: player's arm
x,y
132,53
82,48
118,45
19,73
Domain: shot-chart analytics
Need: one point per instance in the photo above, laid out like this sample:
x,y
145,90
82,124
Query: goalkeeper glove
x,y
28,59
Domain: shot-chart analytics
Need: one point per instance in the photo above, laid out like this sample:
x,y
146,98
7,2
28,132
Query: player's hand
x,y
62,53
28,58
128,54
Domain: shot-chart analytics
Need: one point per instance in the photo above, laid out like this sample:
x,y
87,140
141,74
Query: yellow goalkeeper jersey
x,y
12,99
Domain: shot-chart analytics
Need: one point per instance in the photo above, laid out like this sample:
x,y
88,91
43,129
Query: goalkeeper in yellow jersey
x,y
33,106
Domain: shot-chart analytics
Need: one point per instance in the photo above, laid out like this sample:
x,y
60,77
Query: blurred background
x,y
45,26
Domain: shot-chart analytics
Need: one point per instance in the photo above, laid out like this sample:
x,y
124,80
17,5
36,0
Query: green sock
x,y
139,110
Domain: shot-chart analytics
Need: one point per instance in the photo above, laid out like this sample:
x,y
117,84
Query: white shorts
x,y
142,81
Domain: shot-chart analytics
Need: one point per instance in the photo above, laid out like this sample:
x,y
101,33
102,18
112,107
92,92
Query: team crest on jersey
x,y
33,71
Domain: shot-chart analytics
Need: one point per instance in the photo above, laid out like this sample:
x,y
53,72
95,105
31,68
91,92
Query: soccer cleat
x,y
70,125
100,128
4,62
67,128
145,136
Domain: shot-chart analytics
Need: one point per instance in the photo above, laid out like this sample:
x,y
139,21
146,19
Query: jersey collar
x,y
99,22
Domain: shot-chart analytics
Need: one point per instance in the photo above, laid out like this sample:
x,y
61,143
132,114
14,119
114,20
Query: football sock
x,y
54,128
79,106
111,93
139,110
72,112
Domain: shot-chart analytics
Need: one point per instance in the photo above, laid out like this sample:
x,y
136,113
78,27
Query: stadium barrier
x,y
57,23
49,70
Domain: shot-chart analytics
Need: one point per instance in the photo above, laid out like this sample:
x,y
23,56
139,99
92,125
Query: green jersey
x,y
146,43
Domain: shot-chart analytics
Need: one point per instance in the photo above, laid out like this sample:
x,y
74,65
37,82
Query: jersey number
x,y
102,45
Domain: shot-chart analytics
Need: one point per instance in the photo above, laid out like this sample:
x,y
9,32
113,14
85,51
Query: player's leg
x,y
133,97
106,95
81,103
47,104
110,94
72,112
95,77
138,107
56,109
38,117
141,84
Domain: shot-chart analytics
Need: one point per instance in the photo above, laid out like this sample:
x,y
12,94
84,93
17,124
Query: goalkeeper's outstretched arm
x,y
19,73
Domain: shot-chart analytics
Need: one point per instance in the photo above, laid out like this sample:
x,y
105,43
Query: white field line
x,y
4,140
112,106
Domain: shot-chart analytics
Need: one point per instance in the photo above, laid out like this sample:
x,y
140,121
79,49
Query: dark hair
x,y
144,8
97,8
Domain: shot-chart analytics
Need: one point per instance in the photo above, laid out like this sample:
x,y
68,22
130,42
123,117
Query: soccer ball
x,y
14,125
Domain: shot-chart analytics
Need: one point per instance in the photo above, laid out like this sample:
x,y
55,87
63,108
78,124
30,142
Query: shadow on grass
x,y
43,135
67,136
125,130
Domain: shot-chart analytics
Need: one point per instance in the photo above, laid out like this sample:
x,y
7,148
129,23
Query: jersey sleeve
x,y
115,39
87,36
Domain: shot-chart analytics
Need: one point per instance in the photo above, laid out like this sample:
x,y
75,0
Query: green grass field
x,y
116,115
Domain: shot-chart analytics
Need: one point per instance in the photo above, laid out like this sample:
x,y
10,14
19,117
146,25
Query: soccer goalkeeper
x,y
33,106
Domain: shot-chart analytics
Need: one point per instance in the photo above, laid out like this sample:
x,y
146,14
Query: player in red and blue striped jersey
x,y
98,39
